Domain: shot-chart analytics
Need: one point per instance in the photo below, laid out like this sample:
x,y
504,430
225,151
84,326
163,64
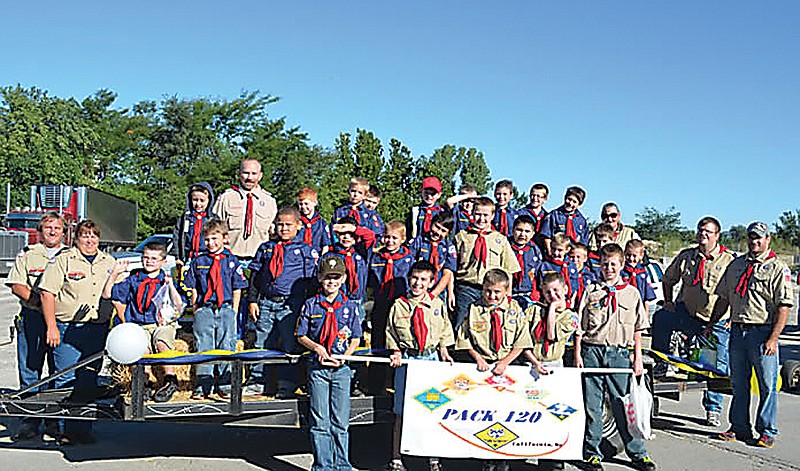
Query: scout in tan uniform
x,y
479,250
24,282
758,289
551,324
611,215
698,270
417,328
612,320
495,330
77,320
249,211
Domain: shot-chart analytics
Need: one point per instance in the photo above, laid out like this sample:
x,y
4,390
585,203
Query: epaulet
x,y
62,251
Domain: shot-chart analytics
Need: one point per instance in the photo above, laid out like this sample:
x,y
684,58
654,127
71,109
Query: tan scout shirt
x,y
602,326
620,238
476,331
700,298
566,325
400,332
231,206
28,268
77,286
498,255
770,287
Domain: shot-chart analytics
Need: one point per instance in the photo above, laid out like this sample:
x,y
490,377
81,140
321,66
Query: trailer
x,y
11,242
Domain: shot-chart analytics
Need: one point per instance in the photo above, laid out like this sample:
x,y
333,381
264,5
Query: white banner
x,y
459,412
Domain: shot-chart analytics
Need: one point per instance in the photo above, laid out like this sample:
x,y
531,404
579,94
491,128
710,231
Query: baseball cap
x,y
433,183
331,266
758,228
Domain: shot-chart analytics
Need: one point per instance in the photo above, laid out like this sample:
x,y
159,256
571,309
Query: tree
x,y
788,227
474,171
655,225
442,164
339,168
368,152
397,183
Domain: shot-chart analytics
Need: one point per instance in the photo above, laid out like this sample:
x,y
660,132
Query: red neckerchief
x,y
564,265
428,212
434,258
354,214
611,295
520,253
330,326
593,255
145,291
502,226
538,218
276,262
633,274
479,250
570,227
540,332
197,233
388,271
349,267
744,280
215,285
581,287
307,224
497,327
418,325
248,217
700,274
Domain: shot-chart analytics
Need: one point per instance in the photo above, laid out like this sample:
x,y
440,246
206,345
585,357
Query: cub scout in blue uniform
x,y
133,301
462,205
495,329
351,249
282,273
328,325
418,328
559,262
315,232
579,255
529,258
635,274
504,214
435,247
567,219
216,279
420,218
355,208
612,321
535,209
188,234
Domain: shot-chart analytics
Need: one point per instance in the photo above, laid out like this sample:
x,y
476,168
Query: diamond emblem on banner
x,y
432,399
496,436
500,382
561,411
460,384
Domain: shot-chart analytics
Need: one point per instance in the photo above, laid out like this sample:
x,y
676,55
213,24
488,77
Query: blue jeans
x,y
79,340
214,328
275,331
31,347
617,385
747,353
665,323
329,406
465,296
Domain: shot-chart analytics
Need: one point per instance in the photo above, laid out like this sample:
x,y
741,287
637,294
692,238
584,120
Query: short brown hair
x,y
554,277
288,211
157,246
612,250
602,230
215,226
634,244
495,276
485,202
577,192
709,219
87,225
50,216
504,184
540,186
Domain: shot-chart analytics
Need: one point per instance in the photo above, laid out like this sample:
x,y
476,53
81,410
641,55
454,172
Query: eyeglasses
x,y
706,231
610,215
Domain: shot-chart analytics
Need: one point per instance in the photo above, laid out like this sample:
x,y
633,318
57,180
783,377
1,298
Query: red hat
x,y
433,183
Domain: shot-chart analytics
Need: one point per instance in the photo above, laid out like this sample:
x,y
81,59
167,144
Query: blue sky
x,y
686,104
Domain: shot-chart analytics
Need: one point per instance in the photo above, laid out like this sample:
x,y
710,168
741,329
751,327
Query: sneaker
x,y
593,463
435,465
731,436
645,463
76,438
765,441
27,431
713,418
395,465
198,394
165,392
253,389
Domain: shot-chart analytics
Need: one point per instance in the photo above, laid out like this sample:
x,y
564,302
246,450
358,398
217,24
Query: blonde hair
x,y
396,226
360,182
560,239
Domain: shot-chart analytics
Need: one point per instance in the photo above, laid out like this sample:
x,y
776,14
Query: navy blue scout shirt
x,y
641,284
416,218
531,259
511,215
398,285
315,232
126,292
462,220
232,277
556,221
359,292
312,317
299,270
421,250
548,266
366,217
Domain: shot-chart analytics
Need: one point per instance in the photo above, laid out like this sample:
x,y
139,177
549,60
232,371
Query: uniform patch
x,y
512,321
297,251
480,326
452,249
76,275
232,265
498,240
437,312
35,271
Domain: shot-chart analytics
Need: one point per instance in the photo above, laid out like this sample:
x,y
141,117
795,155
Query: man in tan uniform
x,y
249,211
758,289
76,317
622,234
24,282
698,269
479,249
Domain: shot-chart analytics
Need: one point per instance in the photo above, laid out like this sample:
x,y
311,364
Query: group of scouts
x,y
478,278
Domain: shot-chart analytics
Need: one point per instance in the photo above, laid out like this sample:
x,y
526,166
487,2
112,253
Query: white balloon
x,y
126,343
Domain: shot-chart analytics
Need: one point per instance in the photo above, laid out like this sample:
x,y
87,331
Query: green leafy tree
x,y
339,168
474,171
397,182
520,198
655,225
788,227
444,164
368,153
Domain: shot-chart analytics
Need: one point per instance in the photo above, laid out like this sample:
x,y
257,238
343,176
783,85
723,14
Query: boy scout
x,y
417,328
758,289
612,321
551,323
698,270
479,250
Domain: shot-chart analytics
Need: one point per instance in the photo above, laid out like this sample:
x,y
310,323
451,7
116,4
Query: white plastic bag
x,y
168,303
638,405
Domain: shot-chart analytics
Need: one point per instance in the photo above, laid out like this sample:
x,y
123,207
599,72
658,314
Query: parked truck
x,y
116,217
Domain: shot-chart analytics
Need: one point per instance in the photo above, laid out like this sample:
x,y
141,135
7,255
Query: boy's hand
x,y
451,301
557,305
444,355
395,359
482,365
540,369
325,358
53,336
578,362
253,311
121,266
499,368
